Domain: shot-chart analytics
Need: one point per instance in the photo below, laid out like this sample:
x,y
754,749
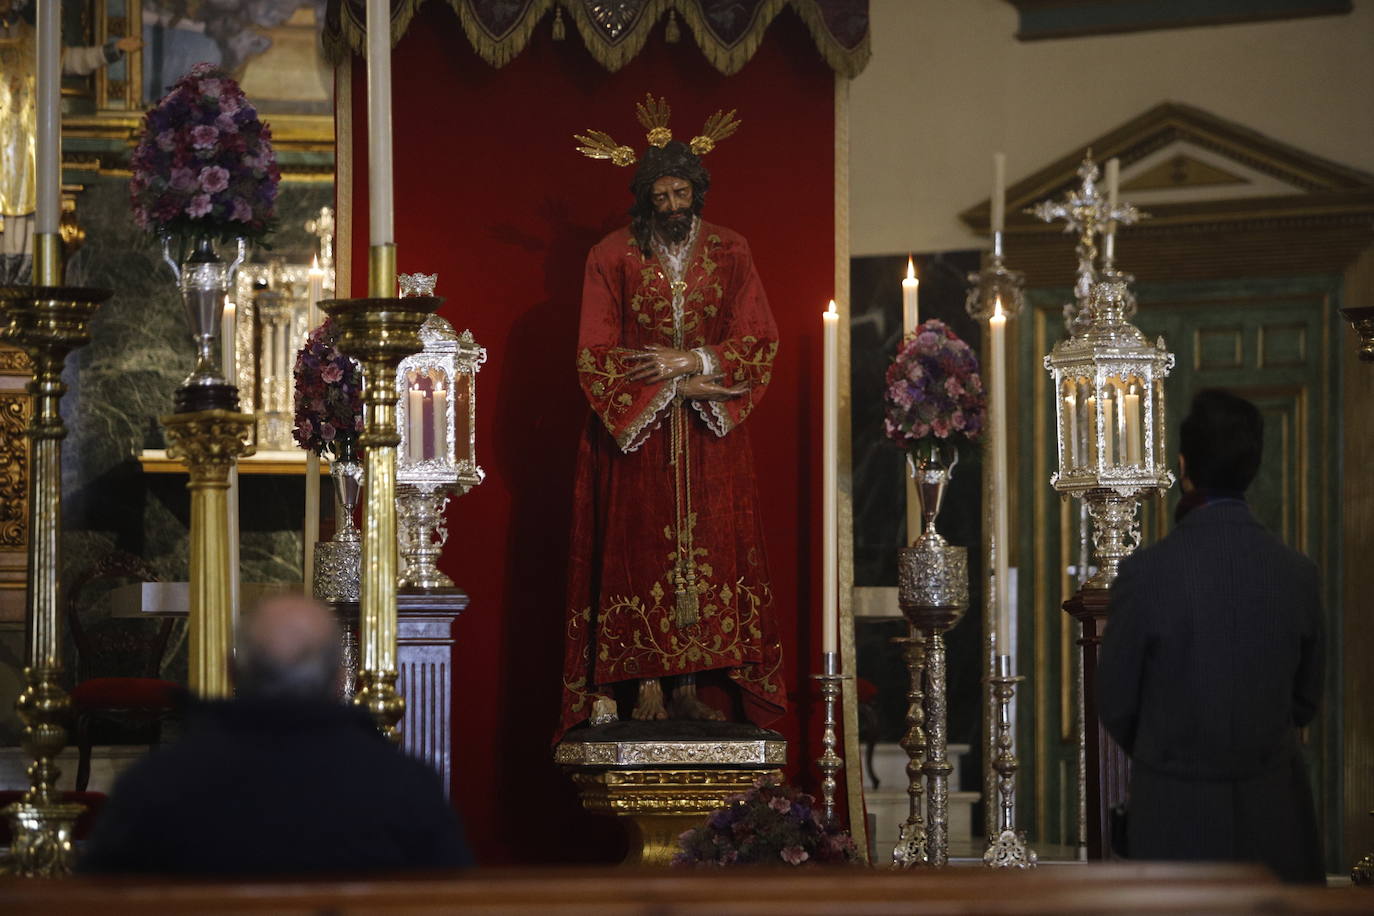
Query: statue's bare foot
x,y
650,702
687,705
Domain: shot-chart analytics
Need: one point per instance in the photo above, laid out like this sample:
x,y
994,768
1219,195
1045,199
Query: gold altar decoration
x,y
1361,318
47,322
436,419
210,442
661,787
379,332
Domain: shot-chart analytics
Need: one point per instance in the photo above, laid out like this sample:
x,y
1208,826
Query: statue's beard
x,y
674,225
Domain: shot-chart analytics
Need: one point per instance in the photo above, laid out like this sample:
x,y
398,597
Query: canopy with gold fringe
x,y
614,31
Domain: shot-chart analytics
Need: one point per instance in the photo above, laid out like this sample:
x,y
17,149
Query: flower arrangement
x,y
205,165
771,824
329,397
933,391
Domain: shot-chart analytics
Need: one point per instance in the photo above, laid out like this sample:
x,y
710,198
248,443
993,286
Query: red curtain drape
x,y
491,194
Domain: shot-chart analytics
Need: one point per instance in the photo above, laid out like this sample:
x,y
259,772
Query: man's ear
x,y
1183,478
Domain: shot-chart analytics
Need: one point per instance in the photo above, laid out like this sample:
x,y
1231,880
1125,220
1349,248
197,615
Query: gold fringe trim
x,y
728,59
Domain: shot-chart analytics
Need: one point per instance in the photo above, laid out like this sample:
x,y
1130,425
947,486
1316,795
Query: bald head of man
x,y
288,649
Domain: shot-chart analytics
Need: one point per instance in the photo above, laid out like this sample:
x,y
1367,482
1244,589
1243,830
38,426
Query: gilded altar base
x,y
661,778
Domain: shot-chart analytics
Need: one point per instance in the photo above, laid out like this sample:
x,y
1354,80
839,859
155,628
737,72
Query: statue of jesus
x,y
668,574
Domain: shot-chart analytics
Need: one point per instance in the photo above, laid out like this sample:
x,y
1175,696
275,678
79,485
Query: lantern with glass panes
x,y
436,459
1109,407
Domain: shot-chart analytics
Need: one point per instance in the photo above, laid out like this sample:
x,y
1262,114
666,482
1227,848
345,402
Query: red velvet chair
x,y
118,666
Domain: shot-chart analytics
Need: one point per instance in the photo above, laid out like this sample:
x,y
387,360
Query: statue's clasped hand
x,y
658,363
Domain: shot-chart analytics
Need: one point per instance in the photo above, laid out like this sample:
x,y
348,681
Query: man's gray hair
x,y
287,649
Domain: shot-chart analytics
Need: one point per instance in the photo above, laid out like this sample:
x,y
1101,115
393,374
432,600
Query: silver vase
x,y
932,474
204,278
338,562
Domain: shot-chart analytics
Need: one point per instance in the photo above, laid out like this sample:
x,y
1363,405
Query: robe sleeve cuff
x,y
638,430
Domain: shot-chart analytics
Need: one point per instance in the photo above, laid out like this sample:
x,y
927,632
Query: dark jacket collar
x,y
1218,512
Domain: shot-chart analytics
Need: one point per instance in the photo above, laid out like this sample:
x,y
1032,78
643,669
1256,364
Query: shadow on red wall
x,y
491,194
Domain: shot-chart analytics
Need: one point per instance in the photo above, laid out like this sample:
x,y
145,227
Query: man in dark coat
x,y
282,780
1211,662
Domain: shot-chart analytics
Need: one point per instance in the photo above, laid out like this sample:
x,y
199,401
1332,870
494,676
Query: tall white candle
x,y
1091,421
312,517
229,363
997,327
381,208
48,142
911,298
999,192
830,521
415,424
1113,192
315,292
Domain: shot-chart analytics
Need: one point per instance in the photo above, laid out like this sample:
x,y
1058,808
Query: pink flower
x,y
780,804
203,136
952,387
228,103
241,211
958,420
210,88
225,124
166,141
183,179
327,431
331,373
214,179
199,206
941,427
794,855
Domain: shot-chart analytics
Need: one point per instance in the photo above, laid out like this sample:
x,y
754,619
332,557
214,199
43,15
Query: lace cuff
x,y
637,432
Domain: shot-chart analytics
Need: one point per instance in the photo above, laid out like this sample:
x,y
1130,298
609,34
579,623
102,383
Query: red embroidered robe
x,y
668,573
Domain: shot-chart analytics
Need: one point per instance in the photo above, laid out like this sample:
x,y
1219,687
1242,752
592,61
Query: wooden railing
x,y
1116,888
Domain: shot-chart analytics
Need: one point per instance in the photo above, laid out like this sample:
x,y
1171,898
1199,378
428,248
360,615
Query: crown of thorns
x,y
654,114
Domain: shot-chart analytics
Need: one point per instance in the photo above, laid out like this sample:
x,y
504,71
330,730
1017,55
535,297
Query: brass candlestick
x,y
1007,847
47,322
210,442
379,332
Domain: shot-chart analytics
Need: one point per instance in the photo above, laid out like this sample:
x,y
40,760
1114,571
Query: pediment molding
x,y
1215,190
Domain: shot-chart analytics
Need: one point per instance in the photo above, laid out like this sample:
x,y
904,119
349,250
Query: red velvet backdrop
x,y
491,194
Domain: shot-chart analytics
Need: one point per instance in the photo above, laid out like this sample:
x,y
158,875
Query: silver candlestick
x,y
1007,847
830,762
911,839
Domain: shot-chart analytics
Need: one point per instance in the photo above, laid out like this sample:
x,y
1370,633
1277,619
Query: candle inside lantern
x,y
997,327
1091,420
315,292
415,423
911,293
1108,431
440,407
1131,410
1070,434
830,559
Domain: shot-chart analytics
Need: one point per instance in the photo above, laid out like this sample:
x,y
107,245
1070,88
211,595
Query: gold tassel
x,y
560,32
672,33
688,606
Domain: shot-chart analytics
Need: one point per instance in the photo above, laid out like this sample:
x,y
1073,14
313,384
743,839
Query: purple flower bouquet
x,y
204,165
934,393
771,824
329,397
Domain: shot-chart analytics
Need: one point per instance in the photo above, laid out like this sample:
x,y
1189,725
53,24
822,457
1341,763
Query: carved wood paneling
x,y
14,470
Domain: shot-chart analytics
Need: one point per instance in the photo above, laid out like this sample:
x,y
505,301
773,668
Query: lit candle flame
x,y
911,269
997,308
832,310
